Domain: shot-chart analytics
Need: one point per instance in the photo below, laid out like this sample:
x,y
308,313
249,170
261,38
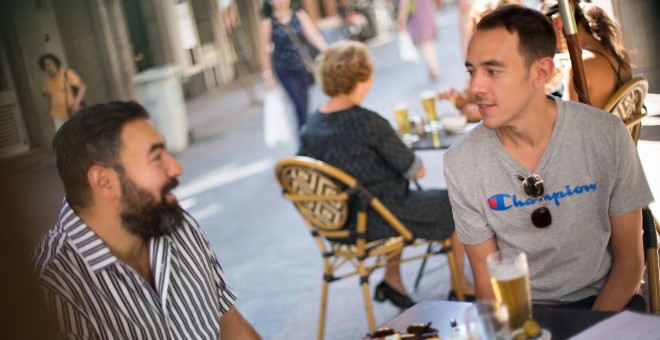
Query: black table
x,y
436,140
561,322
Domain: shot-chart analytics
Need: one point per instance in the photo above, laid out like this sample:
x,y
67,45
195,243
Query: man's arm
x,y
628,263
477,255
234,326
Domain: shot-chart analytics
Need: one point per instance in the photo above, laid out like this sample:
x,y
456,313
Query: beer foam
x,y
427,94
509,271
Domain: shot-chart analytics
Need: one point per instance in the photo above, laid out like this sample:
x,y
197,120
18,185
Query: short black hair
x,y
52,57
91,137
536,35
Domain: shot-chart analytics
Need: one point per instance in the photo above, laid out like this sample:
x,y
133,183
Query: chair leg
x,y
455,282
654,284
422,266
324,299
364,284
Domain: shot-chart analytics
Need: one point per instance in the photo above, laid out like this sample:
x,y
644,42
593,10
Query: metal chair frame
x,y
321,193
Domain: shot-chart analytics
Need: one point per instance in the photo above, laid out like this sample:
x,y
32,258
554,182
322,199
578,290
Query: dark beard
x,y
145,217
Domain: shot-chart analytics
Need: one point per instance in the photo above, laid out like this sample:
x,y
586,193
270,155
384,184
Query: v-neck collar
x,y
547,153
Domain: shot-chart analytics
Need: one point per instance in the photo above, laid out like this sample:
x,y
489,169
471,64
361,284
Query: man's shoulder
x,y
49,248
473,142
588,116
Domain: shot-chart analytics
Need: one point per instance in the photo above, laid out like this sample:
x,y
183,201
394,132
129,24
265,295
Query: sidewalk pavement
x,y
228,186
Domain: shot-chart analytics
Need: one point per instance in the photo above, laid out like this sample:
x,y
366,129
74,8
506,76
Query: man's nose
x,y
174,168
476,84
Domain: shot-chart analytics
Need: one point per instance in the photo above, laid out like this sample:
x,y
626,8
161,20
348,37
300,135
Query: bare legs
x,y
392,274
428,53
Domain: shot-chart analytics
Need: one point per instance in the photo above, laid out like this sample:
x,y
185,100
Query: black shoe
x,y
468,297
386,292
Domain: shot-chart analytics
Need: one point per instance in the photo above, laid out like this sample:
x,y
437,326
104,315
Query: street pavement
x,y
270,260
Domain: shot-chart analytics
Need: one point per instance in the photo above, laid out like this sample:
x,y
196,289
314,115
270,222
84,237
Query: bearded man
x,y
124,260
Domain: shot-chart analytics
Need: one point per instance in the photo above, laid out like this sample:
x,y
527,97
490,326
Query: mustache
x,y
171,185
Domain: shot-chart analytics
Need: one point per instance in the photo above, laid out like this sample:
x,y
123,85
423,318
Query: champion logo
x,y
506,201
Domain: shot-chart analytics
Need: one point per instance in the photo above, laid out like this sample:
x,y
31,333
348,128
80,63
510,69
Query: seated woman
x,y
362,143
606,63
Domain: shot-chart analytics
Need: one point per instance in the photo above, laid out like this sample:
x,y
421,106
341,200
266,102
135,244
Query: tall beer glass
x,y
401,116
428,102
509,276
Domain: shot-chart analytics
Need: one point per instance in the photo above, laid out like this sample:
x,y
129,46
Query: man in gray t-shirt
x,y
591,248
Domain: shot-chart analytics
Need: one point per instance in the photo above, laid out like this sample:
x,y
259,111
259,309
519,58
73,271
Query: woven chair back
x,y
627,103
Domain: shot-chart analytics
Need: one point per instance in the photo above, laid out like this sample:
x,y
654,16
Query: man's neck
x,y
129,248
528,136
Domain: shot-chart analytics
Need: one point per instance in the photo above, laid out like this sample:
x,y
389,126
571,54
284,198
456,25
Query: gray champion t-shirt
x,y
591,170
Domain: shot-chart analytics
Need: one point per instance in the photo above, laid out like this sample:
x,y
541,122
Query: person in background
x,y
124,260
289,29
417,17
606,62
558,180
464,101
362,143
58,86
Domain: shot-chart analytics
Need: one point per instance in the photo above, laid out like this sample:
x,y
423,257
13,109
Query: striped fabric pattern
x,y
96,296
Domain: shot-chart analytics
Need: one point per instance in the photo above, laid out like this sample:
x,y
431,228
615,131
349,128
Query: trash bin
x,y
159,91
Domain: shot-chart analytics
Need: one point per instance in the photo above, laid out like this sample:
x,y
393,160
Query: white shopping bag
x,y
278,130
407,49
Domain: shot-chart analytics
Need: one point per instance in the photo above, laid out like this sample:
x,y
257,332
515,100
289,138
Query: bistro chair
x,y
627,103
321,193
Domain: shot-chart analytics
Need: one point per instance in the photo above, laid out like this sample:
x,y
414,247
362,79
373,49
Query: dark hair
x,y
267,9
536,35
90,137
52,57
600,25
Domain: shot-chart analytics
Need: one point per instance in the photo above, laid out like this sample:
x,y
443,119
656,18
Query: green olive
x,y
532,328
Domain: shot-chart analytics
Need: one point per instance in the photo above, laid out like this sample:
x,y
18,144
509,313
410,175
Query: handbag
x,y
277,125
407,50
74,91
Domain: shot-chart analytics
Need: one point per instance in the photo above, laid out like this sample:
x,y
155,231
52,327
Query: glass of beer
x,y
401,116
509,276
487,319
428,102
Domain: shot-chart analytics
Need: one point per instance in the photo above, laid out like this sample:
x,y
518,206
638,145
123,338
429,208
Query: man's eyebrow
x,y
495,63
156,147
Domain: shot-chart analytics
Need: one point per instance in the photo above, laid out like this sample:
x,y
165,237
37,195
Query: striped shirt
x,y
96,296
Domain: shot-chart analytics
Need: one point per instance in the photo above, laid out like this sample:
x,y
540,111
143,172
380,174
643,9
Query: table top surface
x,y
561,322
439,140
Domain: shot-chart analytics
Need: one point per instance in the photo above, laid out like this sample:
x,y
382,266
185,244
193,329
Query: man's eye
x,y
493,72
470,72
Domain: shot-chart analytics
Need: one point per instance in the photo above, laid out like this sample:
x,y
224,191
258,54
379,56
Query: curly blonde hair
x,y
342,66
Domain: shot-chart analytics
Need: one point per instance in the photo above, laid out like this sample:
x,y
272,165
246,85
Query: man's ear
x,y
543,71
103,181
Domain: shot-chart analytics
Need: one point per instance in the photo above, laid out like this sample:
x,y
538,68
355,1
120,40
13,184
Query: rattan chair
x,y
627,103
321,194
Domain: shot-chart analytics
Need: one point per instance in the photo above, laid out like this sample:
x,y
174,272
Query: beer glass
x,y
486,320
428,102
401,116
509,276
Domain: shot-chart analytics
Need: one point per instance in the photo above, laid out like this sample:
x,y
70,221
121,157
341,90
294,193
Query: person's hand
x,y
74,108
451,95
471,111
269,83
